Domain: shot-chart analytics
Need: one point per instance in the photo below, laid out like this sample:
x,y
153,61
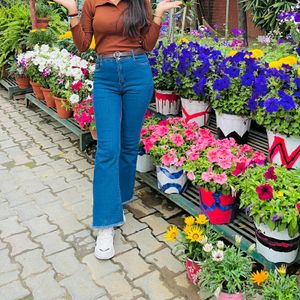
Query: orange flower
x,y
259,277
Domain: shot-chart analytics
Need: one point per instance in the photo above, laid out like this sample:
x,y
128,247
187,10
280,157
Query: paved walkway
x,y
46,245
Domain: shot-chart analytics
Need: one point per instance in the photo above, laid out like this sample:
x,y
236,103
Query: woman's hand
x,y
70,5
166,5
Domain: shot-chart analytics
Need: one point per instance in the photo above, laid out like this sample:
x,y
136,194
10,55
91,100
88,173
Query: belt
x,y
119,54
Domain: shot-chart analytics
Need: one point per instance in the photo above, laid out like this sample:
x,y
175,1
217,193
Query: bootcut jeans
x,y
123,88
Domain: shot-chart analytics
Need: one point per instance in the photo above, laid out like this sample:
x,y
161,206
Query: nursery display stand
x,y
12,88
189,200
84,136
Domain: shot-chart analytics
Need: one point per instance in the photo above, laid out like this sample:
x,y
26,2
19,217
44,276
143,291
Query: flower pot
x,y
144,163
171,180
61,111
48,97
22,81
233,126
167,102
42,23
93,133
226,296
192,269
284,150
195,111
36,87
276,246
218,208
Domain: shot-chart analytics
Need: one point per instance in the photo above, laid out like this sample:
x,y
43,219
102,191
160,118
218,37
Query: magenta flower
x,y
265,192
270,174
239,169
177,139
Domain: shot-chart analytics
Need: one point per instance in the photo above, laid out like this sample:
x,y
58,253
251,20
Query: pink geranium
x,y
169,158
220,178
190,175
177,139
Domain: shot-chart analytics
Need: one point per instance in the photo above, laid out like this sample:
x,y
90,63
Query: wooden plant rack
x,y
189,200
84,136
12,88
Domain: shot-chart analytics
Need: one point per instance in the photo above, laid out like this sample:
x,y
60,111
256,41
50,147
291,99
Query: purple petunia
x,y
252,104
199,87
297,82
233,72
247,79
221,84
277,217
287,102
271,105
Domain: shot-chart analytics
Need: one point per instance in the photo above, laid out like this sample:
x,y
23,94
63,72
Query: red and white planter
x,y
284,150
218,208
167,102
192,270
233,126
144,163
195,111
276,246
226,296
171,180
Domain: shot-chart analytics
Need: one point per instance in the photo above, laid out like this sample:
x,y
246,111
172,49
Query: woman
x,y
123,87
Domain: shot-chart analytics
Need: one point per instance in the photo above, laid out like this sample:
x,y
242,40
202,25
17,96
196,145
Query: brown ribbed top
x,y
104,20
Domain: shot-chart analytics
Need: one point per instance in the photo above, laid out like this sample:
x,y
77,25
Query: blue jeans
x,y
123,88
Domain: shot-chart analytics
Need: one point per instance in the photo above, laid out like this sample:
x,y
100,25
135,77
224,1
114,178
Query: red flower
x,y
298,207
85,72
239,169
265,192
270,174
76,87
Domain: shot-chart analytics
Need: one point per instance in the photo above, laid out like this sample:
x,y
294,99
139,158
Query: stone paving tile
x,y
7,277
39,225
139,209
156,223
13,290
10,226
6,263
28,211
132,225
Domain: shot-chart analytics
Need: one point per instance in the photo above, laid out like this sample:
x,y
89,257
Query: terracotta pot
x,y
192,268
93,133
48,97
167,102
22,81
42,23
225,296
61,111
36,87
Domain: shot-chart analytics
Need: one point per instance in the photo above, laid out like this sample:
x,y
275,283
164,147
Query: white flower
x,y
207,248
220,245
89,85
251,248
74,99
217,255
204,240
238,239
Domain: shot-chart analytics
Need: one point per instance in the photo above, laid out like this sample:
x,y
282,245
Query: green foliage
x,y
231,274
40,37
265,12
43,10
282,206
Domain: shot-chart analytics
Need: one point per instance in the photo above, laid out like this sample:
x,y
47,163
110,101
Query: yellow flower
x,y
32,30
93,43
187,229
275,64
43,29
171,233
257,53
182,40
66,35
195,234
279,194
299,71
288,60
232,53
201,219
259,277
51,2
189,220
281,270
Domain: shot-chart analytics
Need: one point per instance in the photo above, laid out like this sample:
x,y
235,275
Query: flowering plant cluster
x,y
84,113
195,240
227,269
219,166
168,141
234,82
271,195
276,284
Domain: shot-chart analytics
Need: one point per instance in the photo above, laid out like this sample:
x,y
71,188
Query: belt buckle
x,y
117,55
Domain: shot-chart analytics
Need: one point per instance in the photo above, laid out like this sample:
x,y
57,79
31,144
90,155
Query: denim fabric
x,y
123,88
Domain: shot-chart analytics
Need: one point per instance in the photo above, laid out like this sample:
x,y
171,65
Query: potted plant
x,y
227,272
271,196
215,171
43,14
40,37
144,162
193,68
235,81
162,61
19,72
35,79
193,243
279,112
84,113
276,284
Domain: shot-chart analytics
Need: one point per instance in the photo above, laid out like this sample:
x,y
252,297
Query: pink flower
x,y
246,148
192,154
220,178
212,156
207,176
144,131
180,162
169,158
190,134
76,86
177,139
161,130
148,145
258,158
239,169
190,175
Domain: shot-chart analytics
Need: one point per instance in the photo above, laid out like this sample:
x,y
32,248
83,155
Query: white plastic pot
x,y
171,180
144,163
167,102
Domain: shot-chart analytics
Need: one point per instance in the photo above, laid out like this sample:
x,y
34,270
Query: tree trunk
x,y
242,20
32,13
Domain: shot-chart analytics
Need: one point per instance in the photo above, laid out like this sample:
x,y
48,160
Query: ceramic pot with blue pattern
x,y
171,180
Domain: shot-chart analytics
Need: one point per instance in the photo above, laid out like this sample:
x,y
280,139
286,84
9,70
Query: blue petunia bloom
x,y
233,72
199,87
177,81
252,104
221,84
298,49
166,67
154,72
287,102
152,61
297,94
297,82
247,79
271,105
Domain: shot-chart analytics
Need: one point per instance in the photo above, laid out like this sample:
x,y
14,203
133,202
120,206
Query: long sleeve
x,y
151,35
83,31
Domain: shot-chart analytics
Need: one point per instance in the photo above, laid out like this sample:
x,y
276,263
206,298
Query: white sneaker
x,y
104,248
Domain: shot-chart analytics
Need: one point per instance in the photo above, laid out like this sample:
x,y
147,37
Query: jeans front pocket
x,y
141,60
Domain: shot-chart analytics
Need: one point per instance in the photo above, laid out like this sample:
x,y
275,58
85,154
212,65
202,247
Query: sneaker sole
x,y
105,255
